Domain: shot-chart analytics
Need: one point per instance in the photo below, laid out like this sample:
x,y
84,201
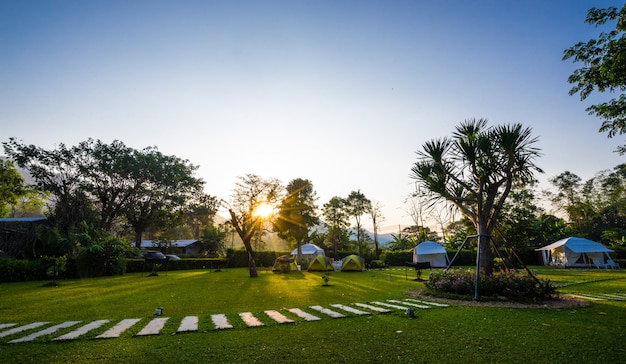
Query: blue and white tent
x,y
575,252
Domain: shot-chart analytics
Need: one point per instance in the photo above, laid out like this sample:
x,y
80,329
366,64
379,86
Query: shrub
x,y
510,284
104,258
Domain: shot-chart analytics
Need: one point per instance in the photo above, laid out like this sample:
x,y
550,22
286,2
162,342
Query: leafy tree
x,y
603,69
212,239
336,219
401,242
200,212
57,172
356,206
251,192
297,213
164,186
518,221
475,170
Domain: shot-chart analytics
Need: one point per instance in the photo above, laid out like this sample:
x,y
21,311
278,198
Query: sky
x,y
343,93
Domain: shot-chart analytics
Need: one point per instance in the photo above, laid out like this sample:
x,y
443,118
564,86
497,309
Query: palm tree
x,y
475,170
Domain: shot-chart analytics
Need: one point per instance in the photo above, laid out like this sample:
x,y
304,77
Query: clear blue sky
x,y
339,92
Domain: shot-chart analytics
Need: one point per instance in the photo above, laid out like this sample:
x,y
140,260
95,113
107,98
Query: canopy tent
x,y
353,263
309,251
321,263
431,252
576,252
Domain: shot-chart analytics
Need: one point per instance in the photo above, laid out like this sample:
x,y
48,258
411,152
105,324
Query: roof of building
x,y
172,243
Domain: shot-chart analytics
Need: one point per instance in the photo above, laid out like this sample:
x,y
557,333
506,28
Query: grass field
x,y
456,334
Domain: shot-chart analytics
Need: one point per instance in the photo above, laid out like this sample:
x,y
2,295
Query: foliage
x,y
475,170
297,212
510,284
336,220
15,196
101,184
356,205
250,192
596,208
19,270
212,239
603,69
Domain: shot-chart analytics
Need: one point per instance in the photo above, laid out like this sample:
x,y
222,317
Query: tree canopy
x,y
475,170
603,69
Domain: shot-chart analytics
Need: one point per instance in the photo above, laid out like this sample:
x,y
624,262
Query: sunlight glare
x,y
264,210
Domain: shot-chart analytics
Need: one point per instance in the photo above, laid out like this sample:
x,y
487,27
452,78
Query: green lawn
x,y
457,334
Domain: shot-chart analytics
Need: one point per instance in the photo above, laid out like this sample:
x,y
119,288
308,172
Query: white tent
x,y
309,251
575,252
431,252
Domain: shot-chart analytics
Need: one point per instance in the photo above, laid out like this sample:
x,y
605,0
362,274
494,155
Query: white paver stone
x,y
221,322
250,319
189,323
373,308
82,330
153,327
436,304
4,326
351,309
279,317
397,307
118,329
48,331
15,330
412,304
303,315
327,312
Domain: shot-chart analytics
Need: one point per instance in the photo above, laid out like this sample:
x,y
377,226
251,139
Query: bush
x,y
510,284
18,270
105,258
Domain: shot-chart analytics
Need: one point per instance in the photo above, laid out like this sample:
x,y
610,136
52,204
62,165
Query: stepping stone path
x,y
156,325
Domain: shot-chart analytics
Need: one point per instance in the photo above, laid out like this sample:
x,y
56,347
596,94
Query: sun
x,y
264,210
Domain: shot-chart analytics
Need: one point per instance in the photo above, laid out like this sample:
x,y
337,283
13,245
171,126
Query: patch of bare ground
x,y
560,302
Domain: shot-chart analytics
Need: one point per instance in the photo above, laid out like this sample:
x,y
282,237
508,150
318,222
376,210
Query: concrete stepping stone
x,y
412,304
118,329
350,309
4,326
250,320
279,317
48,331
303,315
327,312
153,327
614,297
15,330
221,322
82,330
373,308
188,323
436,304
397,307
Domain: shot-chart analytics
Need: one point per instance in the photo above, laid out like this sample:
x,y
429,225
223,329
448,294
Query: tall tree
x,y
297,213
357,205
475,170
376,214
250,193
603,69
57,172
165,185
336,219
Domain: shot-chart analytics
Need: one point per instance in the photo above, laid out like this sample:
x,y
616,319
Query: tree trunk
x,y
485,254
138,239
251,260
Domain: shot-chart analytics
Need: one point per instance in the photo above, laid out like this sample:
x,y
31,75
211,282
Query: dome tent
x,y
309,251
575,252
431,252
353,263
321,263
